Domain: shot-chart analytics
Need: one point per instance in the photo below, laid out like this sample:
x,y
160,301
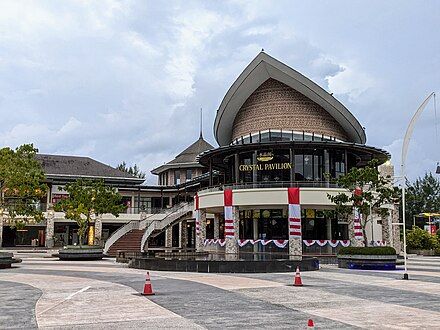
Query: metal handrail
x,y
160,224
137,224
133,224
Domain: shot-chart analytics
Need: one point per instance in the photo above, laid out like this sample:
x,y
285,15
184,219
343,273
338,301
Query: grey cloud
x,y
124,81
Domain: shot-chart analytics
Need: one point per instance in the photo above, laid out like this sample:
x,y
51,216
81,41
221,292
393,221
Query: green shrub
x,y
419,239
369,250
437,251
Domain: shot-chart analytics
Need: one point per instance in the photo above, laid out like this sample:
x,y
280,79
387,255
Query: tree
x,y
376,191
21,187
420,239
423,196
88,199
135,171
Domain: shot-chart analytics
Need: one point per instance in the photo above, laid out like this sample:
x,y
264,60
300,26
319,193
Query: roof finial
x,y
201,124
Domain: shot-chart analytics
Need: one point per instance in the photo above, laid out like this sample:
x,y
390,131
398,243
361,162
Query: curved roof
x,y
257,72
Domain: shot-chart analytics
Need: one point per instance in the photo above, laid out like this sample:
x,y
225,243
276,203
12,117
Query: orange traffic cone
x,y
148,290
298,281
310,323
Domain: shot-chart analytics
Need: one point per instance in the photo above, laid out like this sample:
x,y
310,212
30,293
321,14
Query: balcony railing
x,y
272,184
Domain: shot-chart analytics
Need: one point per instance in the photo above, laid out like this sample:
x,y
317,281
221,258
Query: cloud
x,y
124,80
350,80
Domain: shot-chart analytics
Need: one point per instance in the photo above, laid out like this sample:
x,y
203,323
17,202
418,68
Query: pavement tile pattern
x,y
44,293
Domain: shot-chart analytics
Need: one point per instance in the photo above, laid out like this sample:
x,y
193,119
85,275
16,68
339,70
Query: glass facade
x,y
273,224
287,165
280,135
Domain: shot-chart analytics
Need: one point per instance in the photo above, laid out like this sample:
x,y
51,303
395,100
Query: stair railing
x,y
133,224
160,224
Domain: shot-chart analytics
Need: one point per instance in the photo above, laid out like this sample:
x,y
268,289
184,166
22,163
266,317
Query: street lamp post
x,y
405,144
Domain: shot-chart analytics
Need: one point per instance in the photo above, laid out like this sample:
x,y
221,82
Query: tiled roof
x,y
189,154
56,165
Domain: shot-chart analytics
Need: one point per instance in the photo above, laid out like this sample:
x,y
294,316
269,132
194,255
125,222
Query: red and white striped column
x,y
231,227
295,235
229,220
357,227
197,215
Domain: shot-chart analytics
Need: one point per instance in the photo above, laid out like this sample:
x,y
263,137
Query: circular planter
x,y
7,259
222,266
357,261
80,253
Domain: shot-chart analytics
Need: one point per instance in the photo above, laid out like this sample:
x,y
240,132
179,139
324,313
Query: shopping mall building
x,y
262,191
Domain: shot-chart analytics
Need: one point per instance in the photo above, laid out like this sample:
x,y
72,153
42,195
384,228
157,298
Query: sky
x,y
125,80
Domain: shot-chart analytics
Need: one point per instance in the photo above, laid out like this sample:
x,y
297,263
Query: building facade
x,y
280,137
261,193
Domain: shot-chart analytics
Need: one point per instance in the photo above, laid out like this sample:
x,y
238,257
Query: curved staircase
x,y
133,235
130,242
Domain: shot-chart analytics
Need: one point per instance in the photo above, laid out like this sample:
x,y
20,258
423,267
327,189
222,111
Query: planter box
x,y
7,259
77,253
357,261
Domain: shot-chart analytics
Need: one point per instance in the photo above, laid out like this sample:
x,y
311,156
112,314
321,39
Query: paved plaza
x,y
44,293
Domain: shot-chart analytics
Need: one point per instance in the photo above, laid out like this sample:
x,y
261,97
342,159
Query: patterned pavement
x,y
46,293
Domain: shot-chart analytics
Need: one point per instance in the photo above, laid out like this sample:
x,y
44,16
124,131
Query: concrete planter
x,y
78,253
7,259
357,261
223,266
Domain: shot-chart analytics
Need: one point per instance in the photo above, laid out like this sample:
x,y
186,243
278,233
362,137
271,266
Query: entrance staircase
x,y
130,242
170,219
133,235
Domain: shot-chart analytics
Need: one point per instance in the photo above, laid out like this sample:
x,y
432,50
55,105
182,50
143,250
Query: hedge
x,y
369,250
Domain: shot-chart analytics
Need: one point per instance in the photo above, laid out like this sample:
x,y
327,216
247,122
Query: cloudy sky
x,y
124,80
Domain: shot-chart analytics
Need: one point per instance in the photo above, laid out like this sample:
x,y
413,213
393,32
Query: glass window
x,y
317,166
299,167
188,175
339,163
144,203
276,136
245,171
308,167
307,136
264,137
176,177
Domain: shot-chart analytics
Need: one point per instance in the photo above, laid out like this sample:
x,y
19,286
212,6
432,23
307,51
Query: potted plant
x,y
87,201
